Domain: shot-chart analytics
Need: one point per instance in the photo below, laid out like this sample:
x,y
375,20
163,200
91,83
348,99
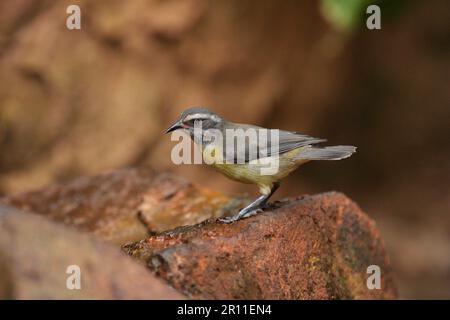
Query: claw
x,y
242,214
253,208
252,213
227,220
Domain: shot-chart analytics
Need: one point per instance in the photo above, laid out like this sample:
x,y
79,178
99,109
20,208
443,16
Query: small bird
x,y
292,149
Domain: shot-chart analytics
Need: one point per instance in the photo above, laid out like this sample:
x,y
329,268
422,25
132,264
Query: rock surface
x,y
125,205
35,254
314,247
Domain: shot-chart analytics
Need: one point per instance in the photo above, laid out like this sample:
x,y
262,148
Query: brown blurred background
x,y
81,102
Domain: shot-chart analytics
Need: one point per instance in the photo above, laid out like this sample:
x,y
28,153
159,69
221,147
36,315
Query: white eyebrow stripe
x,y
197,116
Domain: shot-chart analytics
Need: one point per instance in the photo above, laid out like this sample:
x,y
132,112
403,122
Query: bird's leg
x,y
253,208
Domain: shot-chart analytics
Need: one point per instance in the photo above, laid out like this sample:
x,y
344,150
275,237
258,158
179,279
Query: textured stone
x,y
125,205
35,254
314,247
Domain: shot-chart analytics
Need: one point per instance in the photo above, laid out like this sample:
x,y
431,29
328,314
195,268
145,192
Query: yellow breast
x,y
253,171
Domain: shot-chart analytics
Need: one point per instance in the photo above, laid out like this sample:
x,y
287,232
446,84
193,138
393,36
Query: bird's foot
x,y
252,212
242,214
228,220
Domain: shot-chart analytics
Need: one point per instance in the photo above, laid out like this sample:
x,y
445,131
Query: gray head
x,y
202,116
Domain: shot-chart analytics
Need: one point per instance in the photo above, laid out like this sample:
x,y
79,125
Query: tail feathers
x,y
326,153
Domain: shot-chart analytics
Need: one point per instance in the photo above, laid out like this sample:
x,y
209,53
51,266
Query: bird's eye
x,y
191,122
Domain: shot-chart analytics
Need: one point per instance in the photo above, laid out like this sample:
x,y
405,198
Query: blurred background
x,y
80,102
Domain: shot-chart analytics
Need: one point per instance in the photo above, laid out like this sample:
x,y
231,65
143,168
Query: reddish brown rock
x,y
125,205
314,247
35,254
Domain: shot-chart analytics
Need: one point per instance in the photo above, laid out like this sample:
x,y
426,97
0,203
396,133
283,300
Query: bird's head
x,y
197,117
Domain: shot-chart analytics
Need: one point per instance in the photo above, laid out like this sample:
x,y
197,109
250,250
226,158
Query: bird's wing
x,y
254,145
289,140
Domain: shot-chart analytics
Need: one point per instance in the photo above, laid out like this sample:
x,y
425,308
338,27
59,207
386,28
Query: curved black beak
x,y
175,126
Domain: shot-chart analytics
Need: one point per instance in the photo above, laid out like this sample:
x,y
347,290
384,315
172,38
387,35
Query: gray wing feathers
x,y
292,140
287,141
326,153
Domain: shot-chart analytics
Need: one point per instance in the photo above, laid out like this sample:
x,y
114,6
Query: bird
x,y
287,149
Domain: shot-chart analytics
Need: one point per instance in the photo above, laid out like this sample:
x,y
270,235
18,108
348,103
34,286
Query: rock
x,y
125,205
314,247
35,254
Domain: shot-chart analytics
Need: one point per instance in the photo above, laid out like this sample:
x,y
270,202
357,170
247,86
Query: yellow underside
x,y
252,172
